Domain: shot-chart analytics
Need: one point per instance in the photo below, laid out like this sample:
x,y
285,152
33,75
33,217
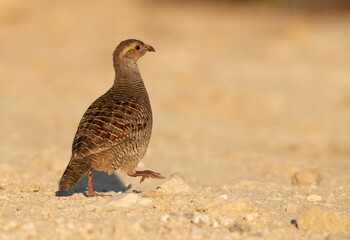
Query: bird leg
x,y
90,188
146,174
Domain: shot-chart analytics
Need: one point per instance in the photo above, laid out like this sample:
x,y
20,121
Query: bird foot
x,y
146,174
92,193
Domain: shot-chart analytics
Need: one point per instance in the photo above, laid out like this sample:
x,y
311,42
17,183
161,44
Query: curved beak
x,y
149,48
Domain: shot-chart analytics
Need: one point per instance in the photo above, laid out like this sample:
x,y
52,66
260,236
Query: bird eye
x,y
137,47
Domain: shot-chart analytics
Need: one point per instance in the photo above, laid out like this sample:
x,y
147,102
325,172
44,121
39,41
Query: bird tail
x,y
75,170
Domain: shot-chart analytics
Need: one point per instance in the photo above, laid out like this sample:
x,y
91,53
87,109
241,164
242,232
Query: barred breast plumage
x,y
115,130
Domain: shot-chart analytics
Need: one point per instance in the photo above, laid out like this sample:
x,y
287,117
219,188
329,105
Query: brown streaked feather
x,y
97,133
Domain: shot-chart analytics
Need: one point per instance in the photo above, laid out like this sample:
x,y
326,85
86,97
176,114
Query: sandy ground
x,y
251,112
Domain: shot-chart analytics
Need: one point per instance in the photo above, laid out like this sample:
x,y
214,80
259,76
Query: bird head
x,y
131,50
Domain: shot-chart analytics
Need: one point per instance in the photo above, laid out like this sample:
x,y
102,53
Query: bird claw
x,y
92,193
142,179
146,174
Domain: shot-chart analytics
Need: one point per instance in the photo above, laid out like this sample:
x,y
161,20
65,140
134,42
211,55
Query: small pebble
x,y
201,208
224,196
165,217
226,221
251,216
314,198
200,218
215,224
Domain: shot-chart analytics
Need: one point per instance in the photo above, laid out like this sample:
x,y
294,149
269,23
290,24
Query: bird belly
x,y
125,156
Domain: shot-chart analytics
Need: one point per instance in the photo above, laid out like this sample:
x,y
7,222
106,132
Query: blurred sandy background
x,y
237,92
240,92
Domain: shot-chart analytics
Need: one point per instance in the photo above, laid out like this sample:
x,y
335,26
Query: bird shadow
x,y
103,182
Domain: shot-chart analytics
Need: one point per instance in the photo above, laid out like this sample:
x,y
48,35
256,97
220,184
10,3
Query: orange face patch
x,y
132,46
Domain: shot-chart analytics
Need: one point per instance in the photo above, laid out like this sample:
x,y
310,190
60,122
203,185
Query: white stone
x,y
215,224
196,219
226,221
224,196
251,216
178,201
165,217
314,198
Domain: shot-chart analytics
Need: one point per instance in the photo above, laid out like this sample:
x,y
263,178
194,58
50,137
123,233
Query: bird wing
x,y
105,124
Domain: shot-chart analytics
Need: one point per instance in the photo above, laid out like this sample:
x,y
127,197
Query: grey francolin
x,y
115,130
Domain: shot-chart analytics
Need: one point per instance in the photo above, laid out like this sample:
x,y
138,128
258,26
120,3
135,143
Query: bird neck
x,y
127,74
